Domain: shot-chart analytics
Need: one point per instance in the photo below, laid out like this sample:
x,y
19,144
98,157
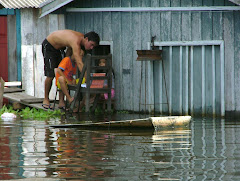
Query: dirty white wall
x,y
33,31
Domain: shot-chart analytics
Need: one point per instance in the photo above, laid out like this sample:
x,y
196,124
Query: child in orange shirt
x,y
64,75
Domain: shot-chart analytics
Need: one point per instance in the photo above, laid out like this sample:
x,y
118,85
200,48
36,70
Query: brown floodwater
x,y
206,149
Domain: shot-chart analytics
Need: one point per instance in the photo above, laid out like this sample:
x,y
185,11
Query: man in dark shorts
x,y
53,52
52,58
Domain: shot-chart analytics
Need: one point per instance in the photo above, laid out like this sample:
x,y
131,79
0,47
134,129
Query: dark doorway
x,y
101,50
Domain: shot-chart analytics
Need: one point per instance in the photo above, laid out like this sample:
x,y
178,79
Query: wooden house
x,y
199,39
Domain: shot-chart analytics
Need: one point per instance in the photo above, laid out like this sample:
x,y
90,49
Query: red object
x,y
3,48
97,83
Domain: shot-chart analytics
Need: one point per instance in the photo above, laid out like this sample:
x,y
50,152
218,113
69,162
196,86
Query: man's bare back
x,y
74,40
65,38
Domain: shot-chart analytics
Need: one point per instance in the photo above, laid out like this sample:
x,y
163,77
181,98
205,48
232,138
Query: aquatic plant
x,y
32,113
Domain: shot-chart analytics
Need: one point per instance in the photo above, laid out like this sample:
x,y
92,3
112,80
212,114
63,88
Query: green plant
x,y
123,112
32,113
8,109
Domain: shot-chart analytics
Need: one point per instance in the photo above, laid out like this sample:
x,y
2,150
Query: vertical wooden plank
x,y
165,31
197,80
136,71
27,51
70,21
209,80
218,2
186,87
213,81
53,22
186,21
27,26
79,22
158,86
149,65
180,80
157,65
203,82
207,2
40,33
186,32
218,22
176,79
191,82
19,40
236,60
126,57
28,69
170,78
229,37
218,80
106,17
217,35
117,56
223,108
166,91
4,48
147,72
39,73
196,23
98,20
12,46
207,20
176,22
88,22
145,36
61,22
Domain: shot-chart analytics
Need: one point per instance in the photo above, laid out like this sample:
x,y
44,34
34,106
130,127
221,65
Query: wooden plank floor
x,y
20,96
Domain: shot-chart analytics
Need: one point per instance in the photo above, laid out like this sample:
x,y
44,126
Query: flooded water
x,y
207,149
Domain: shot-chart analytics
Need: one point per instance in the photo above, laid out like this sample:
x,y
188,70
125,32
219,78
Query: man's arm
x,y
78,54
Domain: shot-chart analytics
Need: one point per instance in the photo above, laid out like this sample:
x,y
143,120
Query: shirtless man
x,y
53,52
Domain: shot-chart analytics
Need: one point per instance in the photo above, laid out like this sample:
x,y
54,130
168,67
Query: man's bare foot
x,y
46,101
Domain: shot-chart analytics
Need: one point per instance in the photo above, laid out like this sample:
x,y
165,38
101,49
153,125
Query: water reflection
x,y
208,149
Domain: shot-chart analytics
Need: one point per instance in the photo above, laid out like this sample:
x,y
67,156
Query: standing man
x,y
53,52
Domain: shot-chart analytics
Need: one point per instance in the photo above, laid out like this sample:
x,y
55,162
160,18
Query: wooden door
x,y
3,48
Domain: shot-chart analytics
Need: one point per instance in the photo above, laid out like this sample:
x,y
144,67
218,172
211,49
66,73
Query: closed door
x,y
3,48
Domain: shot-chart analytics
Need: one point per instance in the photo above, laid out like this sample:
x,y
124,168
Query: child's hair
x,y
92,36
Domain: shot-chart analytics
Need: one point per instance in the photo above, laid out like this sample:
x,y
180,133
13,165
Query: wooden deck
x,y
18,95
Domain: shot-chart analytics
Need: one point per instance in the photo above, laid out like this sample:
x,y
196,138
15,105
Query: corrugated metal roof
x,y
16,4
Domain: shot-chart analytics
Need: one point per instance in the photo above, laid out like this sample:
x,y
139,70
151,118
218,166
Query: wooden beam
x,y
235,1
155,9
52,6
16,83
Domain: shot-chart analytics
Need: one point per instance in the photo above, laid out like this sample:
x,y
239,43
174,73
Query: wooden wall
x,y
33,32
131,31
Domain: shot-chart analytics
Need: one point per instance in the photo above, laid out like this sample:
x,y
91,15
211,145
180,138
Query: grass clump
x,y
32,113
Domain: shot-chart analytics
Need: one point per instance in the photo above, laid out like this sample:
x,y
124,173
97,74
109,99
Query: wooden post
x,y
87,103
2,82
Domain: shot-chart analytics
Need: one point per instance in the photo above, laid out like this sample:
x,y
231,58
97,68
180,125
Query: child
x,y
102,62
64,75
